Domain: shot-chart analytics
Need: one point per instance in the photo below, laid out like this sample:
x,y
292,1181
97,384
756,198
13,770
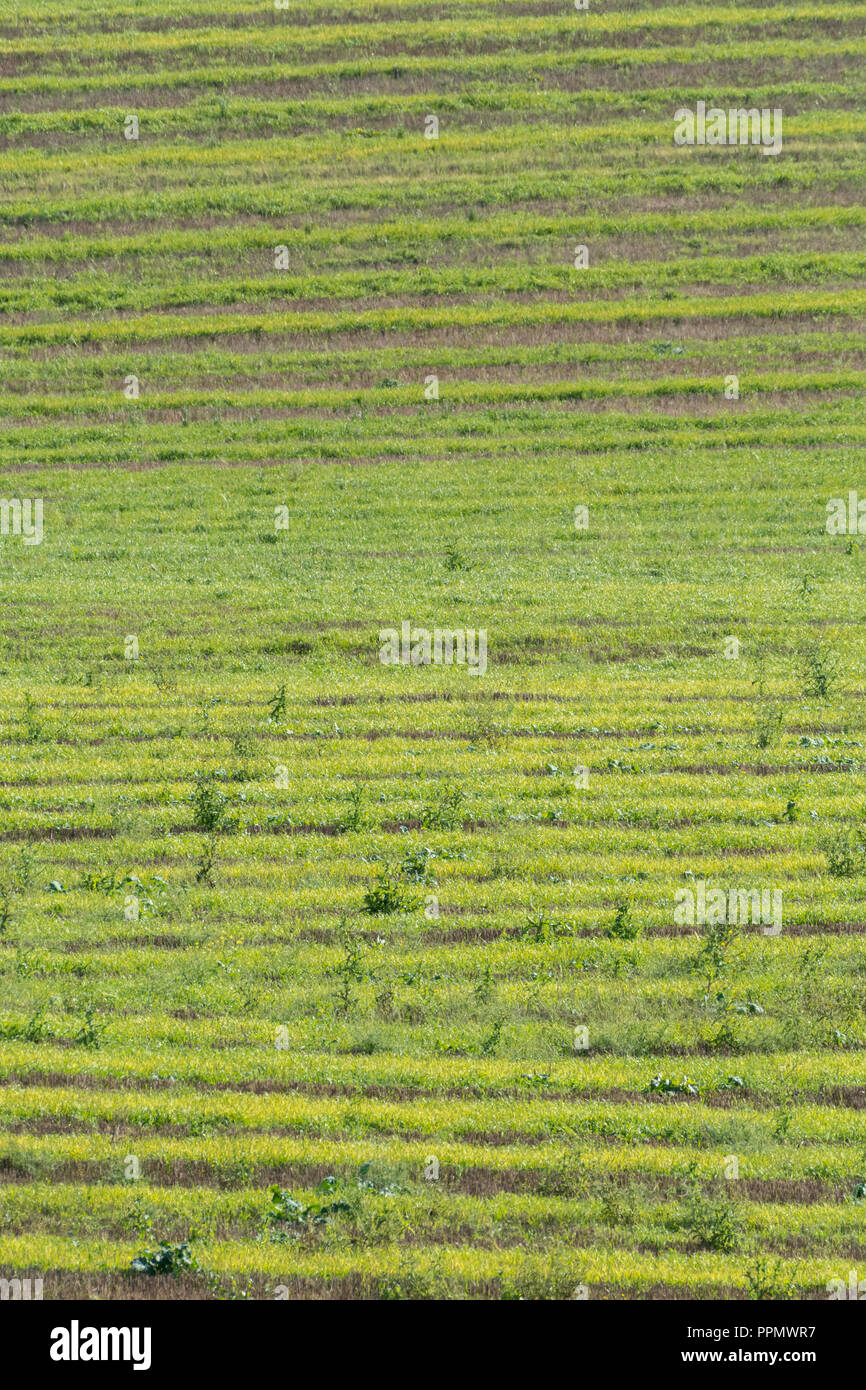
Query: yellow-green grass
x,y
194,1011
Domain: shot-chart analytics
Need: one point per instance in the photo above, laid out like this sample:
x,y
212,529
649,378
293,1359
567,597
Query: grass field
x,y
322,977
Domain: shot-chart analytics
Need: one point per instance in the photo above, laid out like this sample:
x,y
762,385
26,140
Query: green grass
x,y
201,1018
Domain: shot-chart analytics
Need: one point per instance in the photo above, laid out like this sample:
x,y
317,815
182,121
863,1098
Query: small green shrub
x,y
820,671
540,927
713,1222
91,1032
767,1281
166,1260
415,867
277,705
662,1085
388,895
768,724
844,853
209,803
353,818
207,862
623,927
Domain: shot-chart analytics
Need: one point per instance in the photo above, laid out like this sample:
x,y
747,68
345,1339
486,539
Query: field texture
x,y
327,977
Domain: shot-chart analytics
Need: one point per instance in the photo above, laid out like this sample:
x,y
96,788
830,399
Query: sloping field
x,y
328,977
